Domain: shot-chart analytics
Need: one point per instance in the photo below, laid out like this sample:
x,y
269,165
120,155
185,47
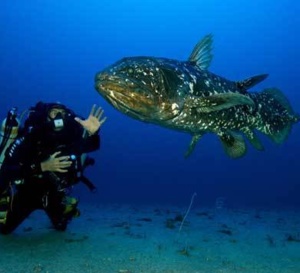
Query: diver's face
x,y
57,116
54,112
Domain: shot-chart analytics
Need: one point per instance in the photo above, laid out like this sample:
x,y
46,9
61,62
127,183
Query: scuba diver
x,y
42,164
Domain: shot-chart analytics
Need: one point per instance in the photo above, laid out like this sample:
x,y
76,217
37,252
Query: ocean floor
x,y
148,239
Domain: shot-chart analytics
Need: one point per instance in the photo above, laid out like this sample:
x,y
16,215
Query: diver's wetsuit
x,y
28,188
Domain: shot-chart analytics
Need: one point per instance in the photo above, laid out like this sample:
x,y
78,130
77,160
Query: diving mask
x,y
56,117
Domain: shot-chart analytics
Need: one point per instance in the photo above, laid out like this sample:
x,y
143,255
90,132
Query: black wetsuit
x,y
28,188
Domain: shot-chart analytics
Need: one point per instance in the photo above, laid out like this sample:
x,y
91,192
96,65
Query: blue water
x,y
51,51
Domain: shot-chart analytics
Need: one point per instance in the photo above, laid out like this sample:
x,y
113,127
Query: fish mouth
x,y
127,96
136,99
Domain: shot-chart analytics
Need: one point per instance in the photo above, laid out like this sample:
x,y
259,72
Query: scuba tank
x,y
8,132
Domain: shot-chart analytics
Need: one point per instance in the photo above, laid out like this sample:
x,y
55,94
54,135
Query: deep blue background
x,y
51,50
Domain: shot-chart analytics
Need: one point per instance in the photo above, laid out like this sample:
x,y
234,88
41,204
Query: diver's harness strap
x,y
89,161
80,177
88,183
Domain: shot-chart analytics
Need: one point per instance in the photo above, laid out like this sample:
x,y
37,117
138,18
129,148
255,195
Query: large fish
x,y
185,96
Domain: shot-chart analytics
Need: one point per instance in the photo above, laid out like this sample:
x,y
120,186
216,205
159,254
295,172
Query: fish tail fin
x,y
276,114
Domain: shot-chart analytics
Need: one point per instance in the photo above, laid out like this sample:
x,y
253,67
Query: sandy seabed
x,y
120,238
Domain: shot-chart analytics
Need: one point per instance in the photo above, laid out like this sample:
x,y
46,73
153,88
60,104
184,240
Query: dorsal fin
x,y
201,55
250,82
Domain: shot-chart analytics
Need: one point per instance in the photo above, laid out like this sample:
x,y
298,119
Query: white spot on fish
x,y
194,78
191,87
174,106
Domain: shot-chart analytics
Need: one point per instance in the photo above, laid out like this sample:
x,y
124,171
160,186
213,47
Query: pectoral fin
x,y
233,144
219,102
192,145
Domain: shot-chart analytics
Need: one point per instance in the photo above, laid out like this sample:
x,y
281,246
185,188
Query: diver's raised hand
x,y
56,164
93,123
